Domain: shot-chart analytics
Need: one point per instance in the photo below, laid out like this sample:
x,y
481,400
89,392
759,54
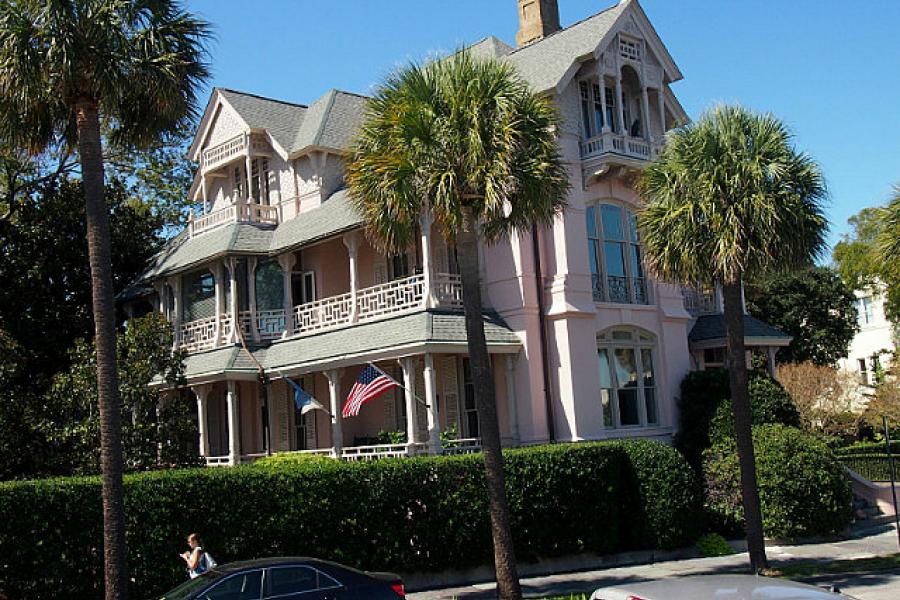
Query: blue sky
x,y
829,68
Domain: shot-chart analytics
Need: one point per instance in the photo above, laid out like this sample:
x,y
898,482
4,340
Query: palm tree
x,y
729,198
466,140
70,69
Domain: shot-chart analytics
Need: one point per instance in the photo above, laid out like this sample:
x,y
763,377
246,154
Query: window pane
x,y
605,380
605,386
632,227
626,369
647,364
615,259
607,408
598,107
291,580
239,587
591,220
593,256
637,269
269,286
611,215
628,407
585,109
199,296
622,335
650,399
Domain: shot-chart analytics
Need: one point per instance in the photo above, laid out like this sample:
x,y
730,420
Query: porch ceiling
x,y
394,337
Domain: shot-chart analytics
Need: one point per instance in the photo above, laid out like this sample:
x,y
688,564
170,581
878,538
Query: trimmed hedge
x,y
422,514
769,403
802,487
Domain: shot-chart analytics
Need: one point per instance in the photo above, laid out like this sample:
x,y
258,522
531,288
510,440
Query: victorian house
x,y
274,273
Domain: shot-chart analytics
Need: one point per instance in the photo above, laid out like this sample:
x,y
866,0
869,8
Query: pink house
x,y
274,272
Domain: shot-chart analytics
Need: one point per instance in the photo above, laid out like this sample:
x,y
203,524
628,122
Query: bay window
x,y
627,378
614,254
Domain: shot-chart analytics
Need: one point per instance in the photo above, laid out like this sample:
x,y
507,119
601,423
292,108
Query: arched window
x,y
614,251
627,378
199,295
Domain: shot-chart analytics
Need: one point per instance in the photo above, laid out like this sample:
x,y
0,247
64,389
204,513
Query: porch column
x,y
251,297
249,166
511,397
409,382
426,219
434,423
334,393
175,282
160,297
662,111
205,190
219,276
234,438
202,393
602,84
645,108
235,306
351,241
287,262
623,127
770,362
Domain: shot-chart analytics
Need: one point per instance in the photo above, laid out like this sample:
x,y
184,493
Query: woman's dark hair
x,y
195,537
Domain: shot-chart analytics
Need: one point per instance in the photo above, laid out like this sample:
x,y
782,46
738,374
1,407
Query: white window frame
x,y
596,250
640,341
631,48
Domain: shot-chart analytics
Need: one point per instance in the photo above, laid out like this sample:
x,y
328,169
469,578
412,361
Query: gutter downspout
x,y
545,365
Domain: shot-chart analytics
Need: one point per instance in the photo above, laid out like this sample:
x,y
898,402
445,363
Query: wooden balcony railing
x,y
617,143
241,211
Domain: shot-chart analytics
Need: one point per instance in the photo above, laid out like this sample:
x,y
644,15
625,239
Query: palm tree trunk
x,y
111,462
740,399
483,381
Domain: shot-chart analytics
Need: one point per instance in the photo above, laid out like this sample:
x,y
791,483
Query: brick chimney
x,y
537,19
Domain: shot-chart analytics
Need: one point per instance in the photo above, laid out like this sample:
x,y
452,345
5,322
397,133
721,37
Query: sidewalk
x,y
880,539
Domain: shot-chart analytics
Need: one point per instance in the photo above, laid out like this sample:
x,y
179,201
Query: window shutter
x,y
421,411
284,403
390,404
450,385
380,270
442,261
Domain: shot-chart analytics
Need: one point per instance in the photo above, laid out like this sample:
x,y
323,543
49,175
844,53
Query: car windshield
x,y
191,585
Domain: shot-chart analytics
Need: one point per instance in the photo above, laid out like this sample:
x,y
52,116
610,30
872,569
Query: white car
x,y
716,587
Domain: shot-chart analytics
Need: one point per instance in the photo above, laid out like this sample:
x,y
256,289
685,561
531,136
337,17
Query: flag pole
x,y
401,386
327,412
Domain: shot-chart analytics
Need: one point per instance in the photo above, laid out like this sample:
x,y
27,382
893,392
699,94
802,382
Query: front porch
x,y
432,413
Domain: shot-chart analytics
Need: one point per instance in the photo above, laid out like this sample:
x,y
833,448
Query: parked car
x,y
288,579
720,587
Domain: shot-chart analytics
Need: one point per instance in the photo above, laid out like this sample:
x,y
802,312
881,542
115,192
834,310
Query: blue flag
x,y
303,400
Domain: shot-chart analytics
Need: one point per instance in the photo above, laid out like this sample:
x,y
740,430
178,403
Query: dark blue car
x,y
288,579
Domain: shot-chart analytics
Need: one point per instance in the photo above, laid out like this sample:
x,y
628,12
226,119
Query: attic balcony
x,y
610,148
241,146
244,210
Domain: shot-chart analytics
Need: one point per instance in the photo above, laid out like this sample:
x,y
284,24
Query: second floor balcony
x,y
242,211
610,142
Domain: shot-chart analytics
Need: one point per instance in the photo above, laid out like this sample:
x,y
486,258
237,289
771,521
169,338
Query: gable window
x,y
592,114
614,253
629,48
259,178
627,378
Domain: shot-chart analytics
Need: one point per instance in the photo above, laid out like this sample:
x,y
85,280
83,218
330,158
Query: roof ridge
x,y
561,30
259,97
331,94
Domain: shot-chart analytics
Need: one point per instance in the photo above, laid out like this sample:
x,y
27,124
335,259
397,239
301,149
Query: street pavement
x,y
874,541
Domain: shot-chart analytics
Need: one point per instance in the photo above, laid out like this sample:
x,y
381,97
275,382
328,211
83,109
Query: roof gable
x,y
280,119
330,122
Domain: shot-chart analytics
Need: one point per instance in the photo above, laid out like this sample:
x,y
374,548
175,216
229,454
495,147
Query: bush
x,y
713,544
769,403
802,487
701,394
409,515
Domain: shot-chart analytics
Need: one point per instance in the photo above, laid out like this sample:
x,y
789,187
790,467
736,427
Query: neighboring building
x,y
871,349
584,344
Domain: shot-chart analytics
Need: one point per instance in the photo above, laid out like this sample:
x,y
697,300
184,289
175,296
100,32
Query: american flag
x,y
371,383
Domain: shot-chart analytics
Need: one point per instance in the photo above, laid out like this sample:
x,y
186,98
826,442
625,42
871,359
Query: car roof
x,y
271,561
724,587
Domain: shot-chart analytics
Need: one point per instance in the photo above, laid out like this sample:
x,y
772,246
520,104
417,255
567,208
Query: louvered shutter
x,y
421,411
450,385
309,419
380,273
284,412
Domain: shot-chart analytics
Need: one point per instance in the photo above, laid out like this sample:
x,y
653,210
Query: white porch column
x,y
287,262
606,125
351,241
205,190
770,363
334,394
409,382
662,111
511,397
251,297
434,423
232,403
175,282
249,166
426,219
202,393
623,127
218,271
235,305
645,108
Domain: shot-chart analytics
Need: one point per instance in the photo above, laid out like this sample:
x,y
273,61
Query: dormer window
x,y
630,48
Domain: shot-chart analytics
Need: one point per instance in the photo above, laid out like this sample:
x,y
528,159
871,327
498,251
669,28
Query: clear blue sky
x,y
829,68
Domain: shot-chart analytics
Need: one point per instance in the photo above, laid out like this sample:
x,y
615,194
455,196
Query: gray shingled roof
x,y
709,328
489,47
181,253
331,121
544,62
280,119
406,330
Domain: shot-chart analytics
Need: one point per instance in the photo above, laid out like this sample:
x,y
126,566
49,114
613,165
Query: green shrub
x,y
701,393
769,403
713,544
802,487
409,515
